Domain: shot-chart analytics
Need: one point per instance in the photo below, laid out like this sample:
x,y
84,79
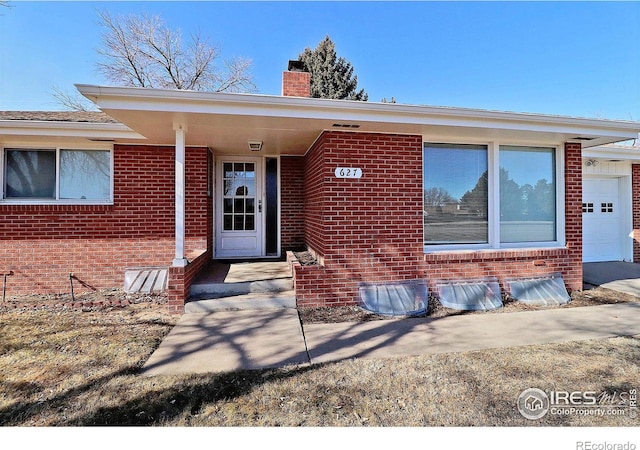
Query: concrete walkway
x,y
410,337
231,340
616,275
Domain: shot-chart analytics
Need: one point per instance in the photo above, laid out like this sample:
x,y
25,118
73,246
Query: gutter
x,y
203,101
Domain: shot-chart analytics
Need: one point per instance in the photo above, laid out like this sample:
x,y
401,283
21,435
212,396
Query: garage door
x,y
601,220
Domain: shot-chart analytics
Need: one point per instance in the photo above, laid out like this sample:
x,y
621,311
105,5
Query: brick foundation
x,y
181,278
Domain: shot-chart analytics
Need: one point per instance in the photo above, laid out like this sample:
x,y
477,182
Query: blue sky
x,y
568,58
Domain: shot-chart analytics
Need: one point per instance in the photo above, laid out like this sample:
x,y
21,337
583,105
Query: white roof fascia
x,y
89,130
160,100
623,153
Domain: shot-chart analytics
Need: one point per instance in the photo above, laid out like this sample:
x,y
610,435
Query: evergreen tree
x,y
476,200
331,77
542,201
512,198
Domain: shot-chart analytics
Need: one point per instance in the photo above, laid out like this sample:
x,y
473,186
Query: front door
x,y
239,208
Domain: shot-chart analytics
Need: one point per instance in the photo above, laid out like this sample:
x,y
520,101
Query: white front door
x,y
601,220
239,230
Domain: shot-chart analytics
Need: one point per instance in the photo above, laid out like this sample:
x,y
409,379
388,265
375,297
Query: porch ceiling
x,y
290,125
226,134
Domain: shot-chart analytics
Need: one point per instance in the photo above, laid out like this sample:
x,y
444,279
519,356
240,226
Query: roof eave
x,y
88,130
598,131
613,152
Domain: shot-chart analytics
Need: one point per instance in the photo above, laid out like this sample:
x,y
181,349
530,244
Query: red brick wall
x,y
366,229
573,215
198,204
314,197
502,264
370,229
43,244
292,202
296,84
180,280
635,199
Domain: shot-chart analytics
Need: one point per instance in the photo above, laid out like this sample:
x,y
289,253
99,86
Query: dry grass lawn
x,y
80,368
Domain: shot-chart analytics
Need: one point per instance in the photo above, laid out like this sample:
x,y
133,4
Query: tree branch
x,y
143,51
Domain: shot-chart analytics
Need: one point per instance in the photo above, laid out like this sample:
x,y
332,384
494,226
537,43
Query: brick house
x,y
375,191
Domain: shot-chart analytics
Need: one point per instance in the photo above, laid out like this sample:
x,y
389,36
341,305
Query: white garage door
x,y
601,220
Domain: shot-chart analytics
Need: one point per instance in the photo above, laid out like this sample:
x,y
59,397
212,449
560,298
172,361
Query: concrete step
x,y
264,300
210,290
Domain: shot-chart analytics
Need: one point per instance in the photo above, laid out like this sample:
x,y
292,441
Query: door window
x,y
239,196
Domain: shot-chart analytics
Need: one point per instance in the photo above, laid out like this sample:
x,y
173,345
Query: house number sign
x,y
348,172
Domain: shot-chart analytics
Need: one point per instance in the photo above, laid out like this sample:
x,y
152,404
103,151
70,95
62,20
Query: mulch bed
x,y
305,258
88,301
117,298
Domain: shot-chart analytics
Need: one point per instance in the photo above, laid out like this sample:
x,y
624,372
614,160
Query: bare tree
x,y
143,51
6,4
73,102
437,196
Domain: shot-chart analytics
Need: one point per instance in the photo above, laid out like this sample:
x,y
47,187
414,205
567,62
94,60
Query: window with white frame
x,y
527,194
455,194
69,175
490,196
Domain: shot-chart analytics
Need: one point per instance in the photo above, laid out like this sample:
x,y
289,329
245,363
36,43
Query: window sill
x,y
57,202
495,254
53,207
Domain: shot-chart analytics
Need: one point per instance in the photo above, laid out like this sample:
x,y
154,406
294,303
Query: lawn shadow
x,y
230,340
153,406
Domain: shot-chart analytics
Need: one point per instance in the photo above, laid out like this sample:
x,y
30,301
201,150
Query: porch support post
x,y
180,260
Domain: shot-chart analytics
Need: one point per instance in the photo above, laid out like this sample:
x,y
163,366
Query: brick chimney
x,y
296,81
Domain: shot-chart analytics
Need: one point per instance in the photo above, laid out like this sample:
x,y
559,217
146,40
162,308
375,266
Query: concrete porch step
x,y
220,280
242,285
221,290
264,300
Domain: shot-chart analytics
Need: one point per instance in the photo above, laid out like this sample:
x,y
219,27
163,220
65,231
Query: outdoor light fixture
x,y
591,162
255,146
